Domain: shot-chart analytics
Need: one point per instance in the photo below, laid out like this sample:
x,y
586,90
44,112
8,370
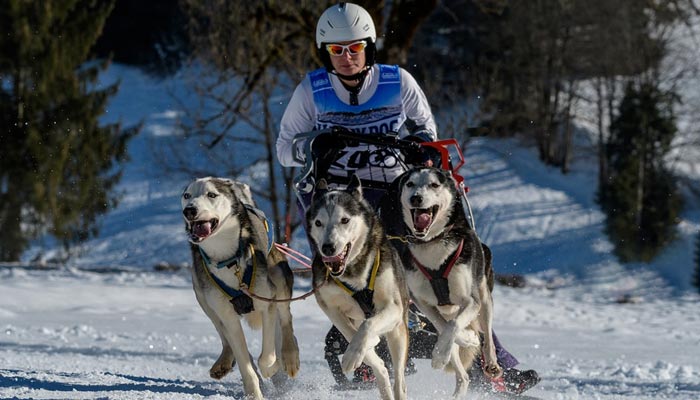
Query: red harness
x,y
438,279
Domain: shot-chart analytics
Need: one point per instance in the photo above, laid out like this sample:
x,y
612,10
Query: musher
x,y
355,92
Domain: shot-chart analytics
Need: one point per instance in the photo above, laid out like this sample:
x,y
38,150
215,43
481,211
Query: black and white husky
x,y
360,282
232,254
448,271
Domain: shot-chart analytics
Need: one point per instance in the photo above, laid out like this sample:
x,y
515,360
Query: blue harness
x,y
238,298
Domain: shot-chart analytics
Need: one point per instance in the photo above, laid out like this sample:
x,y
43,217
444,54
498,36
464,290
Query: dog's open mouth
x,y
336,263
422,219
202,229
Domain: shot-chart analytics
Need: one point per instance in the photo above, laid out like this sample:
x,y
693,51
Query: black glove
x,y
424,155
325,145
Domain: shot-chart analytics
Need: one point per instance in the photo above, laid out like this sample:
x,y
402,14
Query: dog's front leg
x,y
461,376
235,336
268,356
485,318
224,363
383,381
290,348
344,325
446,339
463,337
367,336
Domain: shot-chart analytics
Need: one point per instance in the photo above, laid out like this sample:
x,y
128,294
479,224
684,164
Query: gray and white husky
x,y
360,282
232,254
448,271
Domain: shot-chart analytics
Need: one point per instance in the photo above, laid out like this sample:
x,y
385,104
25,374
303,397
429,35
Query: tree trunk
x,y
602,159
405,18
12,240
568,142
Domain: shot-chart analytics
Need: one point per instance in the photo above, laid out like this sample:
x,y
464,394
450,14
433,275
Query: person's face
x,y
346,63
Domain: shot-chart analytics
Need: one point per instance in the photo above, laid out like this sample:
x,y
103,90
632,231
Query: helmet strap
x,y
359,77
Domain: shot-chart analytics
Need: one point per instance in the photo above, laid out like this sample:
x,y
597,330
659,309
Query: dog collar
x,y
245,280
228,263
414,239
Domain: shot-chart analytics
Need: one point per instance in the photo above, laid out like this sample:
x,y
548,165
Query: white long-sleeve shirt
x,y
300,115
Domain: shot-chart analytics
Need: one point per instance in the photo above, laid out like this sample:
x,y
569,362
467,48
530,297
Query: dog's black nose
x,y
328,250
416,200
190,212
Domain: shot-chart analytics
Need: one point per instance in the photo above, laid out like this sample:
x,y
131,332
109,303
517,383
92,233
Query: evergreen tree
x,y
58,166
148,34
640,197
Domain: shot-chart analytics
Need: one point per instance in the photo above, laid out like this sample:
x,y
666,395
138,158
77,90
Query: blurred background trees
x,y
640,196
151,34
58,165
570,78
247,55
696,274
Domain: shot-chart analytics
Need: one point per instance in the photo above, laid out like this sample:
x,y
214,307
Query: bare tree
x,y
249,57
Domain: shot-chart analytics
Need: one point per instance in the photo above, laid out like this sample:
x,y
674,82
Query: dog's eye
x,y
317,223
212,195
186,196
410,184
344,220
434,185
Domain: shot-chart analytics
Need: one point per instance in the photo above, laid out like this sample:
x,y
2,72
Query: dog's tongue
x,y
334,262
422,220
202,228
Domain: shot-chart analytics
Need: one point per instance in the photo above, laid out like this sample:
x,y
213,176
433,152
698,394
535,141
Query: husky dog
x,y
232,253
360,282
448,271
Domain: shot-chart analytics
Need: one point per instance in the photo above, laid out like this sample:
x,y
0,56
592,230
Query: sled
x,y
314,167
316,162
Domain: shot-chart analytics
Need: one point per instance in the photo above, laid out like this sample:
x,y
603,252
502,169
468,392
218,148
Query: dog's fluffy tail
x,y
280,273
467,355
254,320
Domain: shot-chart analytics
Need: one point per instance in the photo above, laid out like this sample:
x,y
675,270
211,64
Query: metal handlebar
x,y
303,146
389,140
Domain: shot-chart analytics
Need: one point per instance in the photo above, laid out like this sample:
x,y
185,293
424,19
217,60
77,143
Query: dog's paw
x,y
219,370
440,359
268,365
443,349
352,359
467,338
290,360
492,370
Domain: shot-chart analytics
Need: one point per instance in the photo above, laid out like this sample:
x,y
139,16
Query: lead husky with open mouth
x,y
233,256
359,282
448,271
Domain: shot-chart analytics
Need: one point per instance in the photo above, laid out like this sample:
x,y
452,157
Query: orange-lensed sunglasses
x,y
335,49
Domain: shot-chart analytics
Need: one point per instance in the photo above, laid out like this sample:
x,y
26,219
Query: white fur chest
x,y
460,278
433,254
333,297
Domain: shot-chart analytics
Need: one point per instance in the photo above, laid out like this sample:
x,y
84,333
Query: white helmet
x,y
343,23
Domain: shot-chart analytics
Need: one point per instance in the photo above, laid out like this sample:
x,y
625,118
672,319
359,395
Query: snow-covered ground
x,y
76,333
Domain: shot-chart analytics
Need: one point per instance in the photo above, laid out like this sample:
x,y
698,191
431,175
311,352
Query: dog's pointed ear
x,y
243,190
399,182
355,187
443,175
320,189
